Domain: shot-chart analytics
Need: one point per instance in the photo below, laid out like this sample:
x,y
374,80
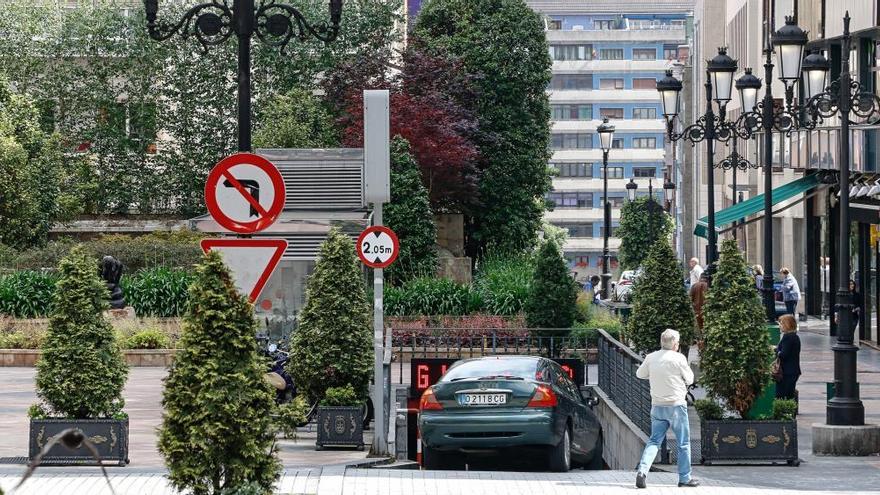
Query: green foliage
x,y
150,338
216,429
503,43
736,355
642,224
37,411
296,119
81,372
162,292
409,216
503,281
340,396
552,295
27,294
583,307
708,409
660,301
28,338
588,332
432,296
333,345
173,87
784,409
290,414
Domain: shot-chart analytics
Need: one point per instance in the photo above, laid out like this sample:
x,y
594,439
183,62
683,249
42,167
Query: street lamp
x,y
669,194
212,23
606,138
721,69
789,41
631,187
748,86
735,162
815,68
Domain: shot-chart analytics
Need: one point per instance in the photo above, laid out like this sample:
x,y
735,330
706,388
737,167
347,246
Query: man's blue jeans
x,y
663,418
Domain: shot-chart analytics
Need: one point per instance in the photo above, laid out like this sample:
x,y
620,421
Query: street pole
x,y
734,169
767,123
845,408
711,248
606,212
380,443
244,14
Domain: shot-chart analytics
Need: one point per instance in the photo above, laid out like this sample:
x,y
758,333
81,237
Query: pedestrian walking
x,y
824,286
758,271
668,372
788,352
698,299
696,271
791,292
592,288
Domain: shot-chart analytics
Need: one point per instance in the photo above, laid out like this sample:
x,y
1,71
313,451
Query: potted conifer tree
x,y
81,373
735,363
333,345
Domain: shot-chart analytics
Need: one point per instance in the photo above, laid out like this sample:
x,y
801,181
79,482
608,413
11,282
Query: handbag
x,y
776,370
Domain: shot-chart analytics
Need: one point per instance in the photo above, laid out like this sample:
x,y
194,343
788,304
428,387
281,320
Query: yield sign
x,y
244,193
378,246
251,261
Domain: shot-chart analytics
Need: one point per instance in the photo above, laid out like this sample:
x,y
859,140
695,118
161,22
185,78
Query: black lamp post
x,y
606,138
709,128
735,162
214,21
844,98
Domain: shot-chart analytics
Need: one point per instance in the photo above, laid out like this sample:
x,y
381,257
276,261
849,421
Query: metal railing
x,y
617,378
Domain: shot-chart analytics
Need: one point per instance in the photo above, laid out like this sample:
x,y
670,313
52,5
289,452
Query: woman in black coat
x,y
789,353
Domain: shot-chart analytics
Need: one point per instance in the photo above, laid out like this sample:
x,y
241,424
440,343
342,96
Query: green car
x,y
513,403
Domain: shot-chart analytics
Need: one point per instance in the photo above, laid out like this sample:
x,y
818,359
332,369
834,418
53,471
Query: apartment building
x,y
607,57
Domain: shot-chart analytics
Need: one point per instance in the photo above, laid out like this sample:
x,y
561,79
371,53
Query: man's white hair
x,y
669,338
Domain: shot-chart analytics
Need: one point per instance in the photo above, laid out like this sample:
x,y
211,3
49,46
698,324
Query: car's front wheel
x,y
560,455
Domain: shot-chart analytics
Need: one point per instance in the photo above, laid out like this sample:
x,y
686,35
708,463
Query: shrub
x,y
589,333
604,319
151,338
431,296
660,301
503,282
784,409
553,292
735,359
409,215
340,396
641,227
27,294
161,291
216,429
583,307
708,409
81,372
290,415
333,345
29,338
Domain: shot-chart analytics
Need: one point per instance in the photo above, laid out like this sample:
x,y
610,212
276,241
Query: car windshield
x,y
520,368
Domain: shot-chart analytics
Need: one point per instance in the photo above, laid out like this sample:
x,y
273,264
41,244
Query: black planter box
x,y
749,440
109,436
340,427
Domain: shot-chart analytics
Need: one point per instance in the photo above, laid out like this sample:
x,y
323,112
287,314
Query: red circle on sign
x,y
266,216
372,230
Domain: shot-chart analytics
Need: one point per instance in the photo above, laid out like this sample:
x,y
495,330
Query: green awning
x,y
755,204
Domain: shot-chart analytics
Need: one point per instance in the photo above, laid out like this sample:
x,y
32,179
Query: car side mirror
x,y
591,402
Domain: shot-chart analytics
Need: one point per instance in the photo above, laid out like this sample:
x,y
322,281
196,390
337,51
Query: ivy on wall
x,y
112,93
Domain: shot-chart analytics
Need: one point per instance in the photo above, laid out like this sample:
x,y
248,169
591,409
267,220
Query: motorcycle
x,y
277,376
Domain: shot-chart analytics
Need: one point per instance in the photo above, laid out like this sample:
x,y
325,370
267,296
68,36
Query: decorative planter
x,y
749,440
340,427
109,436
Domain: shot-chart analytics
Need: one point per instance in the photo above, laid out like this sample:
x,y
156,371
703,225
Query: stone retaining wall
x,y
134,357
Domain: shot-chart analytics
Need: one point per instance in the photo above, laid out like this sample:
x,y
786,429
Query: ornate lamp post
x,y
606,138
735,162
214,21
710,127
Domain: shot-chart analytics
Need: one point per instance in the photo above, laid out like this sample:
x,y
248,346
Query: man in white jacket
x,y
669,374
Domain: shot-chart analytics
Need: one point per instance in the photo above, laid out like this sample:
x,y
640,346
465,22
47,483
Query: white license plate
x,y
482,399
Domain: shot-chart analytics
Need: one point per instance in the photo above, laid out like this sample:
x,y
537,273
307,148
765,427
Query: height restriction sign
x,y
378,246
244,193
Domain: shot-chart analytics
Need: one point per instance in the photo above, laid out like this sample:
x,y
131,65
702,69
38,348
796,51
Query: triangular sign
x,y
251,261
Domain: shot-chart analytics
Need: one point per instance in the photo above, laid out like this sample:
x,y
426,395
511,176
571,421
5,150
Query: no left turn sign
x,y
244,193
378,246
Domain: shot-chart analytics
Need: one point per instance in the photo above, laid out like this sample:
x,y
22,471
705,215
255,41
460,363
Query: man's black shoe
x,y
640,481
690,484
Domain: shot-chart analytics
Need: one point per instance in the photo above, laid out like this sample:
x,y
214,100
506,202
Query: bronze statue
x,y
111,272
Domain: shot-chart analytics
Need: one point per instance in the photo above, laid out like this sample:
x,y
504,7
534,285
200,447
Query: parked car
x,y
509,404
623,288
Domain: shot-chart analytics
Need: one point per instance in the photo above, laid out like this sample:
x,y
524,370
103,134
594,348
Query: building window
x,y
571,140
670,52
611,54
613,234
605,25
571,52
577,229
644,54
611,84
571,81
611,113
613,173
571,199
645,142
574,169
572,112
644,113
554,25
617,143
581,261
644,83
644,172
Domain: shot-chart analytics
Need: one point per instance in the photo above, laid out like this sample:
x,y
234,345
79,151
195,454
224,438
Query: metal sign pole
x,y
380,445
